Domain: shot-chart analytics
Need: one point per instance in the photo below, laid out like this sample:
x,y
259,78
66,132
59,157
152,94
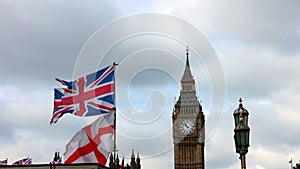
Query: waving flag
x,y
25,161
87,96
55,162
93,143
4,162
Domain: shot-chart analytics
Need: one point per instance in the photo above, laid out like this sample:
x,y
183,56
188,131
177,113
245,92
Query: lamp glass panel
x,y
247,138
246,120
243,138
236,119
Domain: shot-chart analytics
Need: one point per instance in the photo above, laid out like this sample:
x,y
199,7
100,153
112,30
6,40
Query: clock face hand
x,y
187,126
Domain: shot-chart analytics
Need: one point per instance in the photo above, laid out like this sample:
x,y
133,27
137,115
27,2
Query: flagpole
x,y
115,119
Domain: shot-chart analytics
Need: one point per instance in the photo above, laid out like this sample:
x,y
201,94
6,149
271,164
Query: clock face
x,y
186,126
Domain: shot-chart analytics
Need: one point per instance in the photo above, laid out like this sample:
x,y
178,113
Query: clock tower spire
x,y
188,124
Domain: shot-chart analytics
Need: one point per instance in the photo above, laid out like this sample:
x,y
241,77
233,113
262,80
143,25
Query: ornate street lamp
x,y
241,132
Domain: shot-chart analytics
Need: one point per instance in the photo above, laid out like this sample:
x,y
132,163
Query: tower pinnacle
x,y
132,154
188,121
187,55
187,75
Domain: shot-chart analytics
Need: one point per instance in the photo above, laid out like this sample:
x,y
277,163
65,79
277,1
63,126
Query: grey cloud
x,y
269,24
42,39
258,73
7,133
273,24
219,147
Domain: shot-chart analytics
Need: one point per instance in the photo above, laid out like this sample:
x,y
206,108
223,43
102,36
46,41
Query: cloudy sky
x,y
247,49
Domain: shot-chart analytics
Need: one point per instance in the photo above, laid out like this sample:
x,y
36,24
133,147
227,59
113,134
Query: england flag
x,y
93,143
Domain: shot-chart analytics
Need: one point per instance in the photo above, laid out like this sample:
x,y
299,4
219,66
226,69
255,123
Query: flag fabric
x,y
55,162
3,162
25,161
93,143
89,95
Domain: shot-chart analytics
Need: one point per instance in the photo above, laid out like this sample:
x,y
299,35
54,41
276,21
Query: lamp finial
x,y
241,101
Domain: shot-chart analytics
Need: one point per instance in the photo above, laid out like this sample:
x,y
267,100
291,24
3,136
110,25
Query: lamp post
x,y
241,132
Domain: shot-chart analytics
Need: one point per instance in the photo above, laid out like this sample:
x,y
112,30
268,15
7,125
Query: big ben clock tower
x,y
188,125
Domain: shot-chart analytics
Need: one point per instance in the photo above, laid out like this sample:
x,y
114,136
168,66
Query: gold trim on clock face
x,y
186,126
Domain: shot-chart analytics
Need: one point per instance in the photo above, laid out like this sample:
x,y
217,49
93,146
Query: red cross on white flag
x,y
93,143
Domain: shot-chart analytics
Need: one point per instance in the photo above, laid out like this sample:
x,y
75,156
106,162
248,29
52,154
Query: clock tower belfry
x,y
188,125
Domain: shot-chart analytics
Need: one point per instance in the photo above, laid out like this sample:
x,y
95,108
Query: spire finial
x,y
187,50
187,55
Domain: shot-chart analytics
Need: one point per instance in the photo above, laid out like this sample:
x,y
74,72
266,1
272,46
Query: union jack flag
x,y
3,162
25,161
89,95
56,161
